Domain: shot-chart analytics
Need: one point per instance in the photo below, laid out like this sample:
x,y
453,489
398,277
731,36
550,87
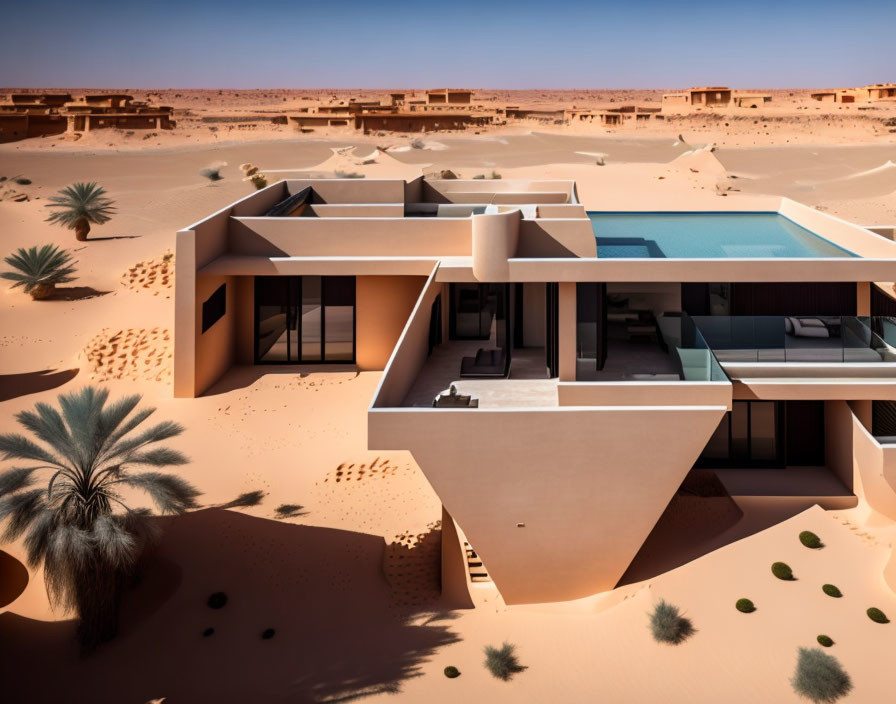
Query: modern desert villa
x,y
556,373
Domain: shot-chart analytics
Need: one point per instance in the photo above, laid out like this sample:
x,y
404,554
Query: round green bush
x,y
877,615
782,570
451,672
745,606
810,540
831,590
826,641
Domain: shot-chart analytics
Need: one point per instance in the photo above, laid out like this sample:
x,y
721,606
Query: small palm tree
x,y
38,271
74,519
79,205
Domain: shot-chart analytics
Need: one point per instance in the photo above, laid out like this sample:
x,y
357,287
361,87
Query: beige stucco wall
x,y
410,352
195,247
494,241
875,465
564,237
216,347
383,304
654,393
351,190
350,237
455,575
588,484
566,331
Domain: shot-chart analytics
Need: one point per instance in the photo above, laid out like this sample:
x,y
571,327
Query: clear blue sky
x,y
478,44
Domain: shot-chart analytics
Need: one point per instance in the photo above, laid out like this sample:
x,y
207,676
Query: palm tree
x,y
39,270
79,205
66,500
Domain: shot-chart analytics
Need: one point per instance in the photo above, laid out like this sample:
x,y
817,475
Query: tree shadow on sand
x,y
322,589
76,293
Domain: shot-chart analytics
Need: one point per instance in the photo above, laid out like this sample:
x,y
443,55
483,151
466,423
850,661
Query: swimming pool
x,y
707,235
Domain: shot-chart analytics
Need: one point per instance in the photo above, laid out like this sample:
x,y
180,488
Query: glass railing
x,y
777,338
698,360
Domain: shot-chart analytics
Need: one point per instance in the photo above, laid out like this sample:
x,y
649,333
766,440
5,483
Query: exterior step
x,y
475,568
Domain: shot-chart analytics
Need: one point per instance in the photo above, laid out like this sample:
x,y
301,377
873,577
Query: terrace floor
x,y
527,386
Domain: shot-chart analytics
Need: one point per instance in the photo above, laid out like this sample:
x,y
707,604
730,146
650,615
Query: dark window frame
x,y
293,308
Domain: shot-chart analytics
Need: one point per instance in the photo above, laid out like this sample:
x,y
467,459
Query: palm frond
x,y
170,493
16,479
157,433
67,554
79,201
114,543
18,447
39,267
159,457
38,539
20,511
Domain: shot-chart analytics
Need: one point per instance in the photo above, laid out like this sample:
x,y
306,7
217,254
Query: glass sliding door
x,y
749,435
304,319
312,320
339,317
272,311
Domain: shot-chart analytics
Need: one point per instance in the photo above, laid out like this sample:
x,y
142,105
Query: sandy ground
x,y
335,546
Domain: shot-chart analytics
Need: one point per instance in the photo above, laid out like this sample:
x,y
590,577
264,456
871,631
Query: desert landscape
x,y
328,552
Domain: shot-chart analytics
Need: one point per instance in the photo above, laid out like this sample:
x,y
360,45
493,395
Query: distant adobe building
x,y
870,93
25,115
443,109
715,97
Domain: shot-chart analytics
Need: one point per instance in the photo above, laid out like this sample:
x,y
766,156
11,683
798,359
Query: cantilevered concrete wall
x,y
557,502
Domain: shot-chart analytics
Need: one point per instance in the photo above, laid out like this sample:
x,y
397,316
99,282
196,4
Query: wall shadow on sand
x,y
337,636
15,385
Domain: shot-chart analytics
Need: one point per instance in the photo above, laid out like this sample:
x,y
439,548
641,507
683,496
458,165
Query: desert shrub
x,y
782,570
877,615
668,625
745,606
348,174
824,640
810,540
38,271
502,662
831,590
890,122
217,600
259,181
601,161
451,672
212,173
495,175
819,676
479,177
418,144
22,181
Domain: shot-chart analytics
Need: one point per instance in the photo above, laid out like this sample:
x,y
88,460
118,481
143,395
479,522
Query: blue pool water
x,y
706,236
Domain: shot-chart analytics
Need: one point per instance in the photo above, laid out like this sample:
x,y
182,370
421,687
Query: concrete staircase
x,y
475,567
